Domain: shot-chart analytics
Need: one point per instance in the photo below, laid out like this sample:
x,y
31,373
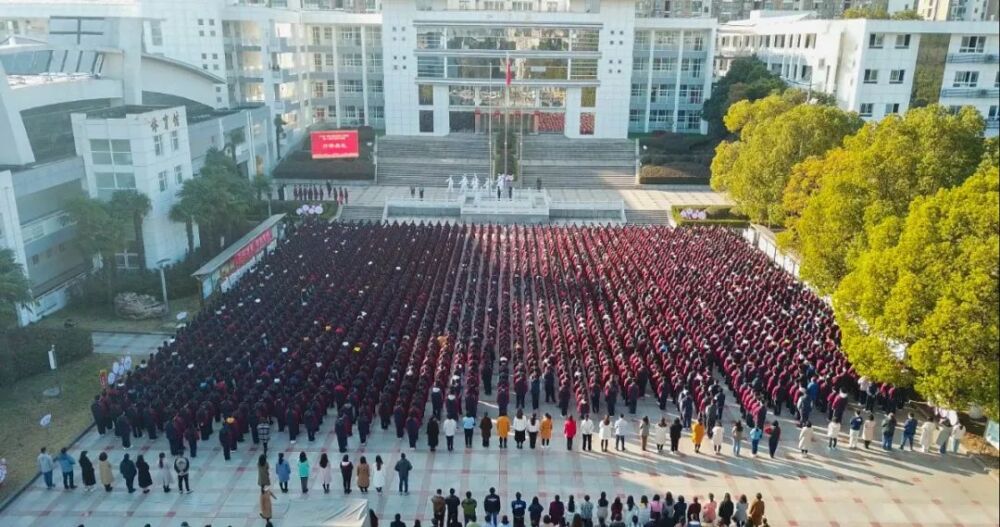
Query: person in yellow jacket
x,y
697,435
545,430
503,429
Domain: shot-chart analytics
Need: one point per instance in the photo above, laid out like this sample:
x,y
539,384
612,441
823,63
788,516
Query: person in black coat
x,y
340,429
98,412
192,439
433,430
675,434
87,472
346,471
124,430
224,440
128,471
145,478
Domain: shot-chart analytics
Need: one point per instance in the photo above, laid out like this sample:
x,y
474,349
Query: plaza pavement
x,y
840,488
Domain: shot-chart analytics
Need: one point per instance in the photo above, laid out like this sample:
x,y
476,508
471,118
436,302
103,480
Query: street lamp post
x,y
162,264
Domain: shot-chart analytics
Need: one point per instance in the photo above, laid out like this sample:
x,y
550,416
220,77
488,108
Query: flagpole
x,y
489,115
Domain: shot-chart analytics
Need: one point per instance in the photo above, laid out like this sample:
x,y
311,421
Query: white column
x,y
649,79
364,72
677,81
336,77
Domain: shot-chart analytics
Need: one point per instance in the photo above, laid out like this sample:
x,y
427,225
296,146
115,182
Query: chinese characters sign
x,y
330,144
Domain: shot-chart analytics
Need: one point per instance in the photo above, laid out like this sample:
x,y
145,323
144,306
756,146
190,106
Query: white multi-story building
x,y
432,67
875,67
92,118
968,10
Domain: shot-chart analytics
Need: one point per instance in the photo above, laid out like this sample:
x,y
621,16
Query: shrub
x,y
24,351
93,290
722,215
675,174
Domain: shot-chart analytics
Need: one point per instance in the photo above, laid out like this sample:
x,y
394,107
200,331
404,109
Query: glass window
x,y
638,90
179,174
175,140
378,112
375,86
876,40
892,108
156,32
903,41
351,60
871,76
866,109
583,69
430,67
161,178
665,65
331,87
974,44
158,144
635,116
897,76
425,94
966,79
587,123
374,62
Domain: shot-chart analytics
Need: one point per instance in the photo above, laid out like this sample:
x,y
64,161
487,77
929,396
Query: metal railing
x,y
972,93
973,58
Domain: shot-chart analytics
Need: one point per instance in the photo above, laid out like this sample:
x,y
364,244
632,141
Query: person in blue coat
x,y
66,463
284,472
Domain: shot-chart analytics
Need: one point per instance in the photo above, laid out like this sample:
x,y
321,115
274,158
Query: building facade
x,y
875,67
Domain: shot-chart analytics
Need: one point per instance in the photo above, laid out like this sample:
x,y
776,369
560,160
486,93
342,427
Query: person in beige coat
x,y
266,497
364,475
105,471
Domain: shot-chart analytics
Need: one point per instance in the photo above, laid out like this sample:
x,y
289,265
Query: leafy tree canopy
x,y
747,79
15,289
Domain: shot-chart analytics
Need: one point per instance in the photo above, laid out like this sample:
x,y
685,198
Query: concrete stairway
x,y
361,213
428,161
578,163
648,217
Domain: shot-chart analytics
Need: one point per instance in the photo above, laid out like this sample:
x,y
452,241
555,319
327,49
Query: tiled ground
x,y
842,488
138,344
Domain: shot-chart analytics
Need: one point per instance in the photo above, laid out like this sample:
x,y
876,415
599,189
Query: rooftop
x,y
121,112
25,81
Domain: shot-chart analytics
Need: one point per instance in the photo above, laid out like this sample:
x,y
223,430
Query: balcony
x,y
41,227
993,123
971,93
973,58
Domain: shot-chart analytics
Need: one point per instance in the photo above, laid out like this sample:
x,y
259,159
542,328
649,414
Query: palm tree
x,y
182,213
217,200
15,288
99,232
133,205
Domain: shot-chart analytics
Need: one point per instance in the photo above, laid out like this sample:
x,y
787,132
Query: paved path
x,y
139,345
645,198
840,488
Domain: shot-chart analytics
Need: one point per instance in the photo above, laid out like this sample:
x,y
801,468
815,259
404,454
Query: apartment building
x,y
875,67
958,10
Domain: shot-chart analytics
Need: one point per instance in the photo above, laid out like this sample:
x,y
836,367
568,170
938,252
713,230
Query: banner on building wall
x,y
333,144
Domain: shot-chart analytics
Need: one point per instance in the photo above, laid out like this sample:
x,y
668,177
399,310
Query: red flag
x,y
509,76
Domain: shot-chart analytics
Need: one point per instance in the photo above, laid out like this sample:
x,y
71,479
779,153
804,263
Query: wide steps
x,y
561,162
359,213
648,217
428,161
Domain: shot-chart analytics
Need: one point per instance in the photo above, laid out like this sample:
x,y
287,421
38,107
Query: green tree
x,y
217,200
775,133
132,206
15,289
866,186
98,232
925,308
262,186
748,79
907,14
181,212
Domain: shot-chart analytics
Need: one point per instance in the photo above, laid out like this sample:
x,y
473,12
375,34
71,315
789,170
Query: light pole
x,y
162,264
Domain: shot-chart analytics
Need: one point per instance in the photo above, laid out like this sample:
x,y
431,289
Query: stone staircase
x,y
428,161
361,213
648,217
578,163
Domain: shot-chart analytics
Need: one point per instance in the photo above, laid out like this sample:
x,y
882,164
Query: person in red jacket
x,y
569,430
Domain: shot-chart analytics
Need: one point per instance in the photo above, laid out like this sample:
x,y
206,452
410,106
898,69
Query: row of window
x,y
867,108
659,93
348,35
348,61
970,79
895,76
351,113
668,40
347,86
663,119
790,41
877,41
668,65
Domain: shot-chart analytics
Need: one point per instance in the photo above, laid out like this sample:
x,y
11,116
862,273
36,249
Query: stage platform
x,y
524,206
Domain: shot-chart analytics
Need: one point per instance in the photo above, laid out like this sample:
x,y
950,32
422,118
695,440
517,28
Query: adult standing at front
x,y
263,472
364,475
282,469
503,429
675,434
403,468
569,430
587,433
534,426
486,429
854,430
144,476
437,509
545,430
346,473
518,508
621,428
104,470
128,471
433,431
66,463
87,472
165,473
450,426
773,438
944,436
643,431
868,430
266,508
182,467
378,475
888,431
757,511
451,503
805,438
660,434
304,472
46,465
520,426
491,506
469,428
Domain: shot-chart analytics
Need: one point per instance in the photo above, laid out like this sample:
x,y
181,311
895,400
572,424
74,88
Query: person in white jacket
x,y
927,435
717,433
660,434
621,428
957,433
449,427
832,433
520,426
605,430
587,433
806,438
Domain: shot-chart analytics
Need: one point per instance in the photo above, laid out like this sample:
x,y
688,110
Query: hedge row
x,y
24,351
677,174
722,215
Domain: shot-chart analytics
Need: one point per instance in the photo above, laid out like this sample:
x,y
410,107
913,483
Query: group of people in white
x,y
472,184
